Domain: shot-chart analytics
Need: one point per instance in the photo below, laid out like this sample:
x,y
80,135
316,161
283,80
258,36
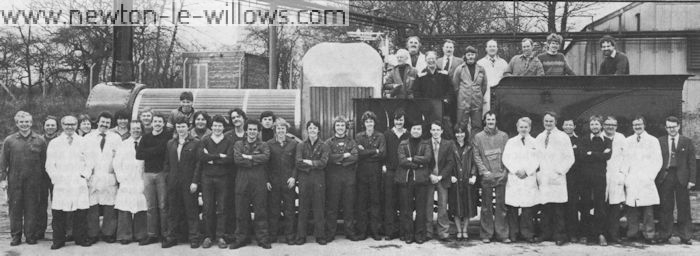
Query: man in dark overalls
x,y
371,149
311,160
340,177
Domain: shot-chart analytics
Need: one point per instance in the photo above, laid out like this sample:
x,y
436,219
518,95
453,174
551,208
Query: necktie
x,y
493,62
673,144
546,140
639,137
70,140
436,147
136,144
523,140
447,64
102,142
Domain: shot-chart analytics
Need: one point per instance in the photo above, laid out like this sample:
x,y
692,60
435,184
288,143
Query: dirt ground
x,y
368,247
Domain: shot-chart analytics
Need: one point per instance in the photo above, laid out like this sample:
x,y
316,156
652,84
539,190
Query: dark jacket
x,y
282,159
615,66
392,148
446,163
259,151
371,144
151,150
405,88
219,166
185,170
418,168
436,85
338,147
23,157
317,153
593,165
685,158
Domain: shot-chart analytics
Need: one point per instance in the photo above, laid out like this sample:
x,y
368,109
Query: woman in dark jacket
x,y
463,194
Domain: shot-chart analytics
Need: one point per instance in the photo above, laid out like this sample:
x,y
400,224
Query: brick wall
x,y
228,70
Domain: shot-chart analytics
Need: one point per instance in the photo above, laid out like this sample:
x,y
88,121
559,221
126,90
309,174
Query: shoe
x,y
265,245
69,238
283,240
238,244
222,243
56,246
321,241
195,244
168,243
85,243
531,240
444,239
602,241
662,241
206,243
649,241
390,237
124,242
420,240
40,236
506,241
300,241
16,242
329,239
574,239
583,240
486,240
560,242
148,240
537,240
290,241
408,239
358,238
687,241
377,238
31,241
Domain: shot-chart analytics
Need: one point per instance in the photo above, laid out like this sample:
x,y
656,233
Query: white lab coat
x,y
103,184
494,73
615,176
642,161
129,173
516,156
555,161
65,164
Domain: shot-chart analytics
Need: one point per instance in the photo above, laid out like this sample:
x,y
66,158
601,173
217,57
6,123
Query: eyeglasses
x,y
609,125
671,127
71,124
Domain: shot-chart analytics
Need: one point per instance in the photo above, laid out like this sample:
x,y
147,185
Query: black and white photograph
x,y
349,127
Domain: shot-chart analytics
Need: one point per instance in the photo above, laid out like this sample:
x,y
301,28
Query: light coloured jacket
x,y
129,173
69,168
555,161
516,156
103,183
642,161
615,176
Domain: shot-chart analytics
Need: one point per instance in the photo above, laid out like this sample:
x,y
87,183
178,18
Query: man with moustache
x,y
614,63
417,58
433,83
393,137
494,67
525,64
22,162
281,172
371,147
311,160
103,185
676,178
615,179
470,83
341,180
643,160
593,153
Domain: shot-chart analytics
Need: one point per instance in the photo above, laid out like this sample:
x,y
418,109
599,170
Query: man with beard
x,y
494,67
553,62
417,58
341,179
103,185
615,179
393,137
371,147
526,64
433,83
593,153
22,162
615,63
470,82
400,80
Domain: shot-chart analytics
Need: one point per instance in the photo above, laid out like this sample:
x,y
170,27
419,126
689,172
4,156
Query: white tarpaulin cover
x,y
343,65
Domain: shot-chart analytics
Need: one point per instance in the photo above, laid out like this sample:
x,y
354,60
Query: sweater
x,y
555,65
151,150
619,65
218,166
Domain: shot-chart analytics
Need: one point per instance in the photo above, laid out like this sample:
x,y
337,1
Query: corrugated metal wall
x,y
284,103
328,102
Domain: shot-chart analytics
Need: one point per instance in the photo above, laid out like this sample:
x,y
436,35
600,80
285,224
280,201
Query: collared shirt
x,y
599,135
524,65
675,142
612,55
494,67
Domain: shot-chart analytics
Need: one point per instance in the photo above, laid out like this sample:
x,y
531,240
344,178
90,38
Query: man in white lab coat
x,y
495,67
615,179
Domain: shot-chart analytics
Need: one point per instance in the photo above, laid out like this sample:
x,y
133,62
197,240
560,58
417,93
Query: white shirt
x,y
494,69
180,143
217,139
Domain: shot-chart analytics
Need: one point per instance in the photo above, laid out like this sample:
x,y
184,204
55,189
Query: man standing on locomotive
x,y
433,83
417,59
470,82
615,63
553,62
526,64
495,67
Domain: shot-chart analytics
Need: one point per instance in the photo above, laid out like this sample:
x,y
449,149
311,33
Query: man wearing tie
x,y
677,176
448,61
442,167
495,67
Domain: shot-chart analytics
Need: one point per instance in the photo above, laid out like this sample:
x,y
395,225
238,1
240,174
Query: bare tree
x,y
550,12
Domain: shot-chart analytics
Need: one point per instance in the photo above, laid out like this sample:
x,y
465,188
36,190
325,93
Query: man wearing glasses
x,y
677,176
615,178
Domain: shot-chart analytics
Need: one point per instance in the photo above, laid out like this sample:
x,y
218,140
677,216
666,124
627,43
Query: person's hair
x,y
403,52
528,40
81,118
268,114
313,122
597,118
449,41
50,117
492,40
368,115
206,116
21,115
143,128
411,37
186,95
340,118
399,113
63,119
239,111
553,37
525,119
610,118
489,113
431,52
607,38
218,119
158,115
253,122
122,114
640,117
281,122
146,109
673,119
105,114
180,119
438,123
552,114
470,49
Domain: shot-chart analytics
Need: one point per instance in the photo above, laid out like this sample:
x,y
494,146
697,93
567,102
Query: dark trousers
x,y
23,196
553,221
593,197
230,208
312,195
391,206
281,200
674,194
214,192
43,216
574,205
521,223
182,207
368,207
131,226
493,216
109,221
340,187
443,220
634,219
614,213
413,197
251,188
59,225
155,189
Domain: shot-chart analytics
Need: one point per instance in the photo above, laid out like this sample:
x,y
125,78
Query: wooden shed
x,y
225,70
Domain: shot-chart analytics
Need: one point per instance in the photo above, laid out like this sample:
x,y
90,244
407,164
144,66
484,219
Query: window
x,y
639,23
